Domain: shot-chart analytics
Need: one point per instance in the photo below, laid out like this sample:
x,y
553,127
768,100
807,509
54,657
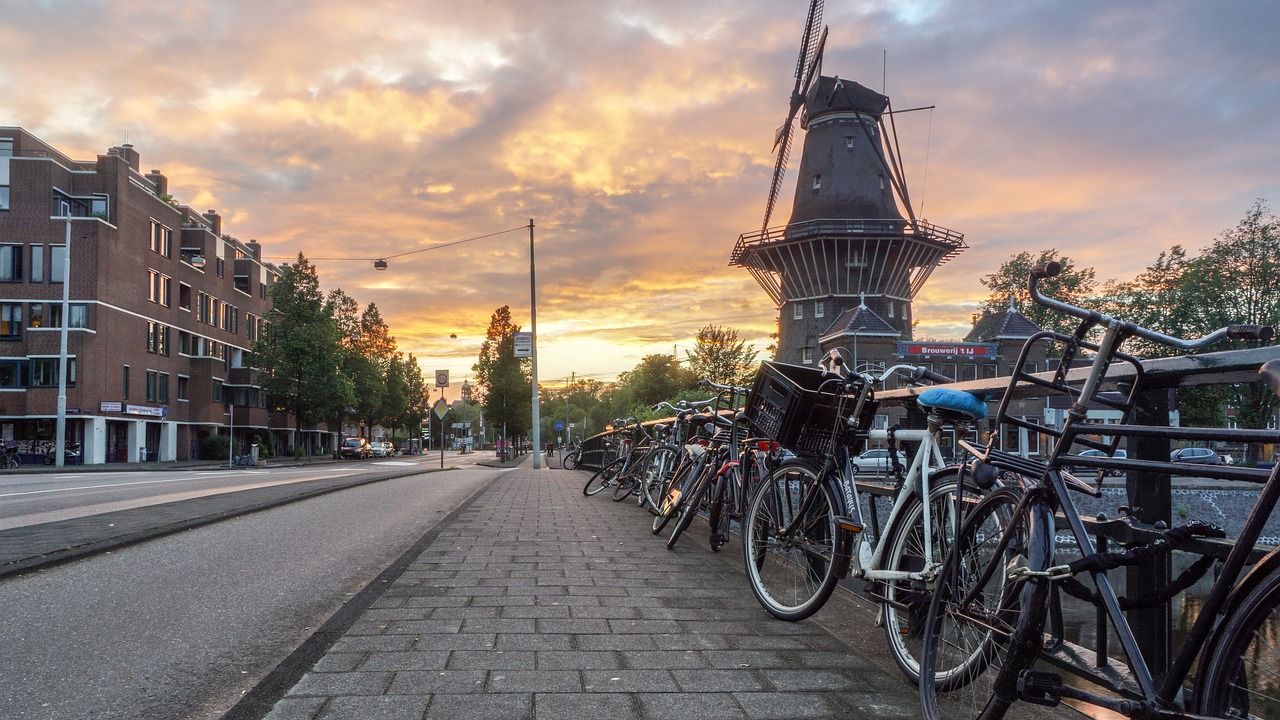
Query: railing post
x,y
1152,627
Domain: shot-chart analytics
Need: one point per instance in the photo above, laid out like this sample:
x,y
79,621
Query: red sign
x,y
962,349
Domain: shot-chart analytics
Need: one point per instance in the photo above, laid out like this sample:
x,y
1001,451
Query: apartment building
x,y
164,307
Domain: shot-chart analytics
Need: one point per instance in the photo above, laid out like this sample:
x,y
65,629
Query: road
x,y
181,626
29,498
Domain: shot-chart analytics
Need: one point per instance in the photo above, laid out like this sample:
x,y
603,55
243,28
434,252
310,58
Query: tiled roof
x,y
859,317
1004,324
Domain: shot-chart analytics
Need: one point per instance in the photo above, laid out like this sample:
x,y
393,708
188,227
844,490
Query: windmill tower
x,y
853,255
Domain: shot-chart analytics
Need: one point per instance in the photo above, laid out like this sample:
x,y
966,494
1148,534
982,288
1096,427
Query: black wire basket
x,y
785,404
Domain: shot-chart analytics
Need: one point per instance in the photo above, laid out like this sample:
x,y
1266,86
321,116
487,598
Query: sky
x,y
637,137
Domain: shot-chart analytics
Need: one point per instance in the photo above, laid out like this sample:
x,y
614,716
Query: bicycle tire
x,y
907,605
681,483
13,462
657,475
626,482
716,515
792,578
604,477
971,656
689,504
570,461
1239,681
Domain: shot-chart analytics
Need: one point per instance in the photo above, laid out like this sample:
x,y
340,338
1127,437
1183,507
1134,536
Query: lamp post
x,y
466,395
60,439
533,358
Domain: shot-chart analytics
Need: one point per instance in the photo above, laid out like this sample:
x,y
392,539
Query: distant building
x,y
164,309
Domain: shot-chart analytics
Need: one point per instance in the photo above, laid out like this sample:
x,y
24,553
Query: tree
x,y
1009,284
721,357
503,382
298,351
656,378
376,348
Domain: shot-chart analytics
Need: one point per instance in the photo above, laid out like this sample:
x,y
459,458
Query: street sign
x,y
559,426
442,378
524,344
441,408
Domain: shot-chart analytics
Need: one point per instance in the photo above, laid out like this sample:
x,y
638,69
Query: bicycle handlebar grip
x,y
932,376
1251,332
1046,270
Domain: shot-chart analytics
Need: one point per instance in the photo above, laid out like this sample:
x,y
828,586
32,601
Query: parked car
x,y
388,449
1198,455
355,448
379,448
1092,452
876,462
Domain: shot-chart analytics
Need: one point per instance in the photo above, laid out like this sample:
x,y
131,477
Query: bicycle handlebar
x,y
1235,332
834,364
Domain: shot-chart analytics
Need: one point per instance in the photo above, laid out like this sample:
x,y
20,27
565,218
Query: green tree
x,y
503,383
1073,285
721,357
656,378
377,347
298,352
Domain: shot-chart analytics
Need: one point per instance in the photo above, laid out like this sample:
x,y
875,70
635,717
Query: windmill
x,y
853,254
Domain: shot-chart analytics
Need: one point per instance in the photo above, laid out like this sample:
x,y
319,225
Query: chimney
x,y
255,250
128,154
215,221
160,181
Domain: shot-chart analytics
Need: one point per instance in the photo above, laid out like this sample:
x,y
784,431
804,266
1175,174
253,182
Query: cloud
x,y
637,136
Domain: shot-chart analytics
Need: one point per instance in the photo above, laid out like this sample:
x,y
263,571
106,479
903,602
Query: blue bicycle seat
x,y
955,401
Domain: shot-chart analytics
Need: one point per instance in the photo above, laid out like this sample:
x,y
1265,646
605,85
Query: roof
x,y
1001,325
860,321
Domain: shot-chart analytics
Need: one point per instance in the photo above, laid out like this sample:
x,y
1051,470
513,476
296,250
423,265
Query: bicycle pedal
x,y
848,524
719,540
1040,687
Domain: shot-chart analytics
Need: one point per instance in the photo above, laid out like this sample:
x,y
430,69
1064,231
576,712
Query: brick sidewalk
x,y
534,601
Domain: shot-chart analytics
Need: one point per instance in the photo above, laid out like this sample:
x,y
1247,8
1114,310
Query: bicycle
x,y
613,471
11,459
997,600
805,527
571,456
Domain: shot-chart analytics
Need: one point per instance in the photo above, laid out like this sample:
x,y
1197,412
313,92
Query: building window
x,y
37,263
250,326
881,182
797,311
817,182
162,391
124,387
157,338
161,239
848,141
184,296
819,309
79,316
221,266
182,387
11,263
44,372
151,385
890,308
1030,367
806,356
57,257
262,290
159,288
10,320
4,197
6,147
217,391
12,373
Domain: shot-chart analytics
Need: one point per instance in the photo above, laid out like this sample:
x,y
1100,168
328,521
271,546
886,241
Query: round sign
x,y
442,378
559,426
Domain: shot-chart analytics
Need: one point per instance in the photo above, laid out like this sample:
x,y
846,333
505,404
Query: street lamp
x,y
60,437
855,347
466,396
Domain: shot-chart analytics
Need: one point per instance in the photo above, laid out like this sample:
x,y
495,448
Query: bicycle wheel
x,y
657,474
626,482
1242,679
570,461
604,477
669,504
690,502
908,600
792,574
717,514
983,628
12,462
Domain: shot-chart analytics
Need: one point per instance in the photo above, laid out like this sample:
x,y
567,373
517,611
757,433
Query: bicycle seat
x,y
1270,372
965,405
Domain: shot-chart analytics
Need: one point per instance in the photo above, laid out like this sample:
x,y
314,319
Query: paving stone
x,y
386,707
504,706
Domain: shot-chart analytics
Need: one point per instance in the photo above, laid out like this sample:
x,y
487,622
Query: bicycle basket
x,y
785,405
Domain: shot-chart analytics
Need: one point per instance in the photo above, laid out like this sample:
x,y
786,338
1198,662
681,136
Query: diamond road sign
x,y
441,408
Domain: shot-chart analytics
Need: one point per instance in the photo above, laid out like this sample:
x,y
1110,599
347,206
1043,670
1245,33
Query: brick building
x,y
163,309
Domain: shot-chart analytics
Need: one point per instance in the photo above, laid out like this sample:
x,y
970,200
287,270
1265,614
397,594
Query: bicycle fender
x,y
1268,564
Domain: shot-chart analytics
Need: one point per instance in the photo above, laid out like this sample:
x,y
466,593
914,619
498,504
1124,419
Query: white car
x,y
876,462
380,449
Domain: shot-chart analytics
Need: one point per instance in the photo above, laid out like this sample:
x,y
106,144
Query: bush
x,y
215,447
